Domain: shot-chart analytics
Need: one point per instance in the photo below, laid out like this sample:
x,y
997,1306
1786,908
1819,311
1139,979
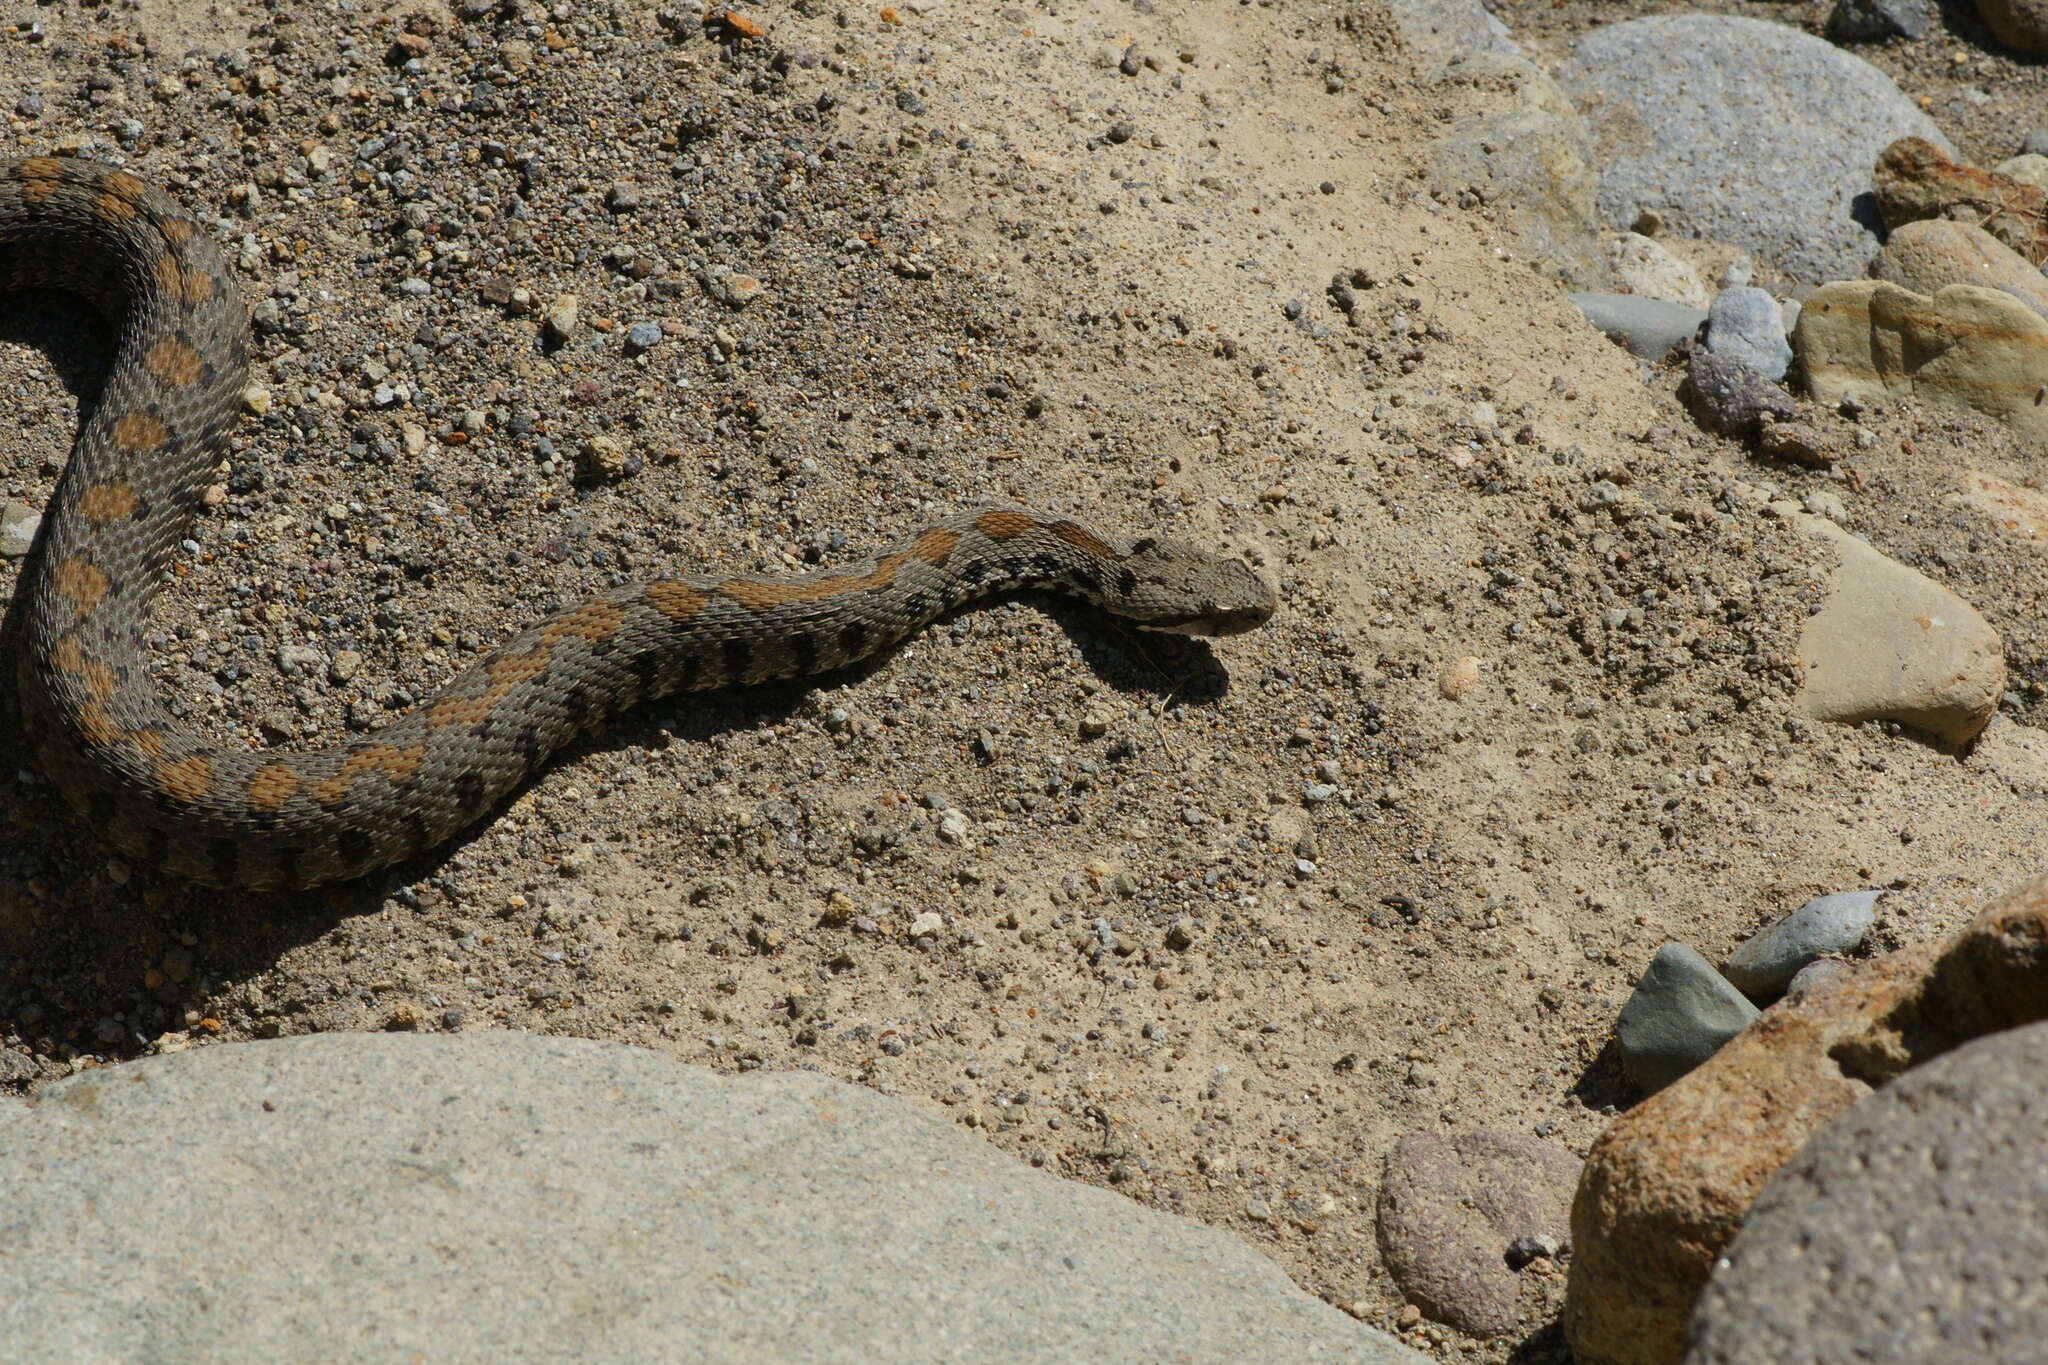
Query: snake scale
x,y
254,819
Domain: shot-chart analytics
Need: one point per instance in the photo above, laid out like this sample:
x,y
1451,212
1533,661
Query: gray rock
x,y
1530,155
1870,21
1451,1206
18,523
1747,132
1745,324
2035,143
1911,1229
495,1196
1816,975
1763,967
1728,396
1648,327
1681,1013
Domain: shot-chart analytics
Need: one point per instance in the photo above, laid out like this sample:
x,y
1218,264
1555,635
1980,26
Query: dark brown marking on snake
x,y
399,766
352,846
469,791
853,640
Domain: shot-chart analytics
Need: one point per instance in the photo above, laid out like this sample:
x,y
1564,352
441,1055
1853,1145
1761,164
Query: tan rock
x,y
1965,346
2021,25
1892,644
2029,168
1915,179
1933,253
1665,1188
1646,268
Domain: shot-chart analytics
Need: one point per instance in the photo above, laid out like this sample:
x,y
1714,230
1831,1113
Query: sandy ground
x,y
1223,920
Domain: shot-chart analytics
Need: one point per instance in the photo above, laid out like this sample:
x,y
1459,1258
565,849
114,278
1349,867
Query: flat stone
x,y
1665,1188
18,525
1648,327
1892,644
1912,1228
497,1196
1965,346
1745,324
1740,131
1681,1013
1763,967
1449,1208
1929,255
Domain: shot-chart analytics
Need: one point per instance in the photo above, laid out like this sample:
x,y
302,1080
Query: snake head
x,y
1180,589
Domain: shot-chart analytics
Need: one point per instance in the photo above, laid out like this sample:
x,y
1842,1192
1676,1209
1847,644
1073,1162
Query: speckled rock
x,y
1739,130
1745,324
1892,644
1727,396
1764,966
1665,1188
500,1196
1965,346
1449,1207
1913,1228
1869,21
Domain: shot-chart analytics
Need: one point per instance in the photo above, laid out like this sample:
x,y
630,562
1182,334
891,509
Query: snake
x,y
237,817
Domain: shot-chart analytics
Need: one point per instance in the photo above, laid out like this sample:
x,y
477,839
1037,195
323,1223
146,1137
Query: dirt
x,y
1216,921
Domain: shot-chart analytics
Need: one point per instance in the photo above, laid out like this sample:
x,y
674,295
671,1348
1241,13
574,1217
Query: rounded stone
x,y
1763,967
1742,131
1912,1228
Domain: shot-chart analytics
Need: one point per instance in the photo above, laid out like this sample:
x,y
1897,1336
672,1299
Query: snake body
x,y
260,819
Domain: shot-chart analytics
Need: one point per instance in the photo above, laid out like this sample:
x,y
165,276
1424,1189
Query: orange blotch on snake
x,y
137,433
120,194
935,546
1003,525
593,621
758,597
189,780
270,787
177,229
106,502
40,177
1080,537
187,286
675,599
151,742
399,766
175,362
96,725
80,582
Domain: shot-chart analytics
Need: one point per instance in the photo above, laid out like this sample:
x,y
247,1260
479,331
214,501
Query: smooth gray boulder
x,y
500,1197
1910,1230
1526,151
1648,327
1681,1013
1764,966
1743,131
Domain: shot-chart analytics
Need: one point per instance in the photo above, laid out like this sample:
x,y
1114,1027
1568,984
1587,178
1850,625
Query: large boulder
x,y
504,1197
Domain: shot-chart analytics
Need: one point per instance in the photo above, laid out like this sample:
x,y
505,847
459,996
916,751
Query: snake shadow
x,y
91,967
